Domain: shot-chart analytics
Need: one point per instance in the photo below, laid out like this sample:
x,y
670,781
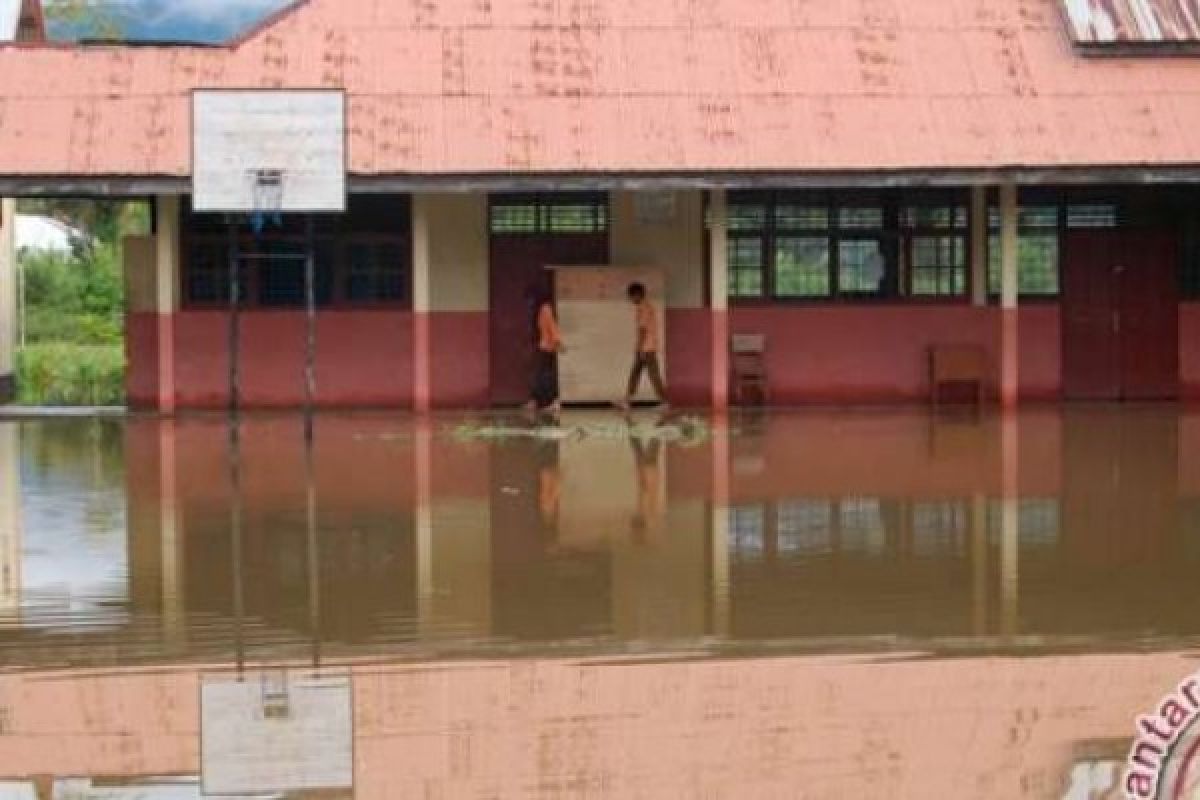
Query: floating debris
x,y
683,430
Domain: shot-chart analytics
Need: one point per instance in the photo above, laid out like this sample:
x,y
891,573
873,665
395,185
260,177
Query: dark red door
x,y
1090,360
518,265
1148,316
1120,315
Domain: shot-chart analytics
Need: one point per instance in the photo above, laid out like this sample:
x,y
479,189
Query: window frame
x,y
835,232
958,227
339,234
543,205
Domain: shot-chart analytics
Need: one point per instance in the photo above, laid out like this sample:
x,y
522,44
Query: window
x,y
788,246
1037,251
280,271
362,257
936,240
746,267
375,272
861,266
802,266
560,213
208,273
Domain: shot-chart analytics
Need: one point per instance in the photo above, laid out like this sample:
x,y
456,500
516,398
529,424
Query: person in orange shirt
x,y
645,357
545,365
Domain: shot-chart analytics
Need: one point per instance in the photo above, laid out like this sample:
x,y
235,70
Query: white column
x,y
979,242
421,303
166,303
9,301
718,292
1009,290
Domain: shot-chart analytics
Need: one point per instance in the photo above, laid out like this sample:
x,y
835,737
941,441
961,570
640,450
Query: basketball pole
x,y
310,392
310,347
235,302
235,466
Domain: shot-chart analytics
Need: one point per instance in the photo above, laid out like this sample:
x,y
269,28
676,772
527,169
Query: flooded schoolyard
x,y
833,604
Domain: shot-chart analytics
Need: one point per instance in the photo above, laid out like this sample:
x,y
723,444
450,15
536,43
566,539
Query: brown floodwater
x,y
858,604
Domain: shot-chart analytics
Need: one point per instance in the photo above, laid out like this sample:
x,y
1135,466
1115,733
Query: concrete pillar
x,y
1009,291
167,258
421,302
719,296
8,299
979,242
10,520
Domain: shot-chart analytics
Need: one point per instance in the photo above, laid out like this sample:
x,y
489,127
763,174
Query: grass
x,y
63,374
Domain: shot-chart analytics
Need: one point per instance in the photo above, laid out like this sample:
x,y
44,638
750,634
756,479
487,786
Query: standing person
x,y
645,357
545,364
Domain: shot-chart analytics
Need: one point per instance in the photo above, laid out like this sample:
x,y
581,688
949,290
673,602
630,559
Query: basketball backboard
x,y
268,150
276,732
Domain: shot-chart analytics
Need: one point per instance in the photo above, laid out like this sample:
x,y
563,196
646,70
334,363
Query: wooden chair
x,y
957,365
748,367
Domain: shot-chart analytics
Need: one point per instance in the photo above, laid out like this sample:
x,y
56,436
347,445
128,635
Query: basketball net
x,y
268,199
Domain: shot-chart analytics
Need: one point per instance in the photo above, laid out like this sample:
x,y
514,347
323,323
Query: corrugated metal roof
x,y
615,86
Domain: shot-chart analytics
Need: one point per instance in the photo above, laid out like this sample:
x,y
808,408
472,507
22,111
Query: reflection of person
x,y
549,489
646,458
645,357
548,345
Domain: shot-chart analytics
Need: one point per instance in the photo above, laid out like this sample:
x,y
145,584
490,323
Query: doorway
x,y
1120,308
528,234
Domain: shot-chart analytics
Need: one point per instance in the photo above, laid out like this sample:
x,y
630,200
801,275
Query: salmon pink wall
x,y
689,354
364,358
1189,351
141,356
458,359
878,353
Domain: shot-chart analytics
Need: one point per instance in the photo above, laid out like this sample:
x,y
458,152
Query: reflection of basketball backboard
x,y
276,732
268,150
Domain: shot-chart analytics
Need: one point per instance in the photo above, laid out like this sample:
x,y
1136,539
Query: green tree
x,y
87,19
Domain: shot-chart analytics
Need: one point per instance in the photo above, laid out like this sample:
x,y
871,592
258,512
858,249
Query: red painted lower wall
x,y
141,356
689,356
364,359
815,354
1189,351
879,353
458,359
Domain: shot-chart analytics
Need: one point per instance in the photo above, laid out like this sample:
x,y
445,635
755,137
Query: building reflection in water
x,y
1076,523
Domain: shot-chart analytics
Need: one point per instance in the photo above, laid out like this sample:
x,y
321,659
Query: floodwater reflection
x,y
817,529
823,550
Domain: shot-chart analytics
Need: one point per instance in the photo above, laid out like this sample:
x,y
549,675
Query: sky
x,y
186,20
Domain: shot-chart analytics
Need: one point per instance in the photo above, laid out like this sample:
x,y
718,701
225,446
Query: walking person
x,y
645,358
548,345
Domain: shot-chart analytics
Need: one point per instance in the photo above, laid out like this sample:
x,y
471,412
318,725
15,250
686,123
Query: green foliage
x,y
85,19
75,307
76,300
71,375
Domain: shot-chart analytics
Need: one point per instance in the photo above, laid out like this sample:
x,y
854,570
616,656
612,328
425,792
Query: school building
x,y
856,182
